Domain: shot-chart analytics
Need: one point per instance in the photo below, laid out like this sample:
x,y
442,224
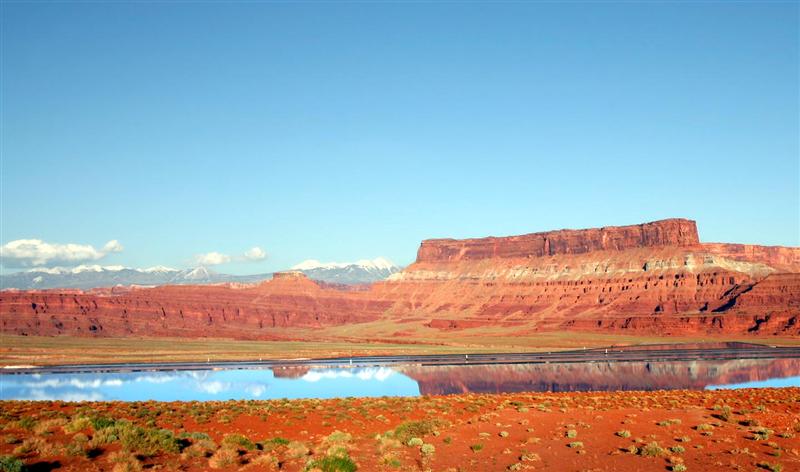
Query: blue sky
x,y
340,131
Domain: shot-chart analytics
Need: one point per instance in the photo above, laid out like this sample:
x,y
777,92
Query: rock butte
x,y
652,278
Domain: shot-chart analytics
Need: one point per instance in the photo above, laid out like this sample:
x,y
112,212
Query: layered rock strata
x,y
653,278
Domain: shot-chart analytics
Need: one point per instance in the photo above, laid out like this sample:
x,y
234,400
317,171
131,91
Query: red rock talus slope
x,y
654,278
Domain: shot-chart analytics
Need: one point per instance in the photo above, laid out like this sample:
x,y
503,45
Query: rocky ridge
x,y
653,278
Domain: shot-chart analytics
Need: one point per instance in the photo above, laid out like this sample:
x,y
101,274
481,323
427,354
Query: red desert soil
x,y
635,431
652,278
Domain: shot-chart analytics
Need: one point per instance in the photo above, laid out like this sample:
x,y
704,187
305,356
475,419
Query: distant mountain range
x,y
362,271
93,276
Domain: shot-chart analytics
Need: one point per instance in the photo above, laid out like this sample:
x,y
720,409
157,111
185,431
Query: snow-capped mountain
x,y
361,271
85,277
93,276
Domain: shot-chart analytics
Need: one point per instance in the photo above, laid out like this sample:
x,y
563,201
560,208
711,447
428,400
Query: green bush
x,y
415,429
237,441
101,422
11,464
271,444
145,442
333,464
413,442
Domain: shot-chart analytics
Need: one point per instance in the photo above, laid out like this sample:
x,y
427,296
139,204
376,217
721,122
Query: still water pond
x,y
400,380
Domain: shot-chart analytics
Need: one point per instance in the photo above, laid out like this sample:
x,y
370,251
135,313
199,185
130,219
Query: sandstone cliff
x,y
654,278
673,233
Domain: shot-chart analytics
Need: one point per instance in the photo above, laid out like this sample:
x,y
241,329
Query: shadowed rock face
x,y
654,278
596,376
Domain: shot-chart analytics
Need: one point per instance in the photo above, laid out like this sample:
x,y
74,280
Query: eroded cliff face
x,y
665,233
654,278
252,312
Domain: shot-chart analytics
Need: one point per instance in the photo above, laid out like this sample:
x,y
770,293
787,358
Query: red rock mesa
x,y
652,278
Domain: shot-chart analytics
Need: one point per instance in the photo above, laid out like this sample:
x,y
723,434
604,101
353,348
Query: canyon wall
x,y
673,232
653,278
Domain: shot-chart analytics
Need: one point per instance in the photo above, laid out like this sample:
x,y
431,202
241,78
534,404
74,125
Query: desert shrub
x,y
273,443
124,462
223,458
11,464
338,437
476,447
761,434
623,433
11,439
575,445
79,446
263,462
416,429
677,449
724,413
237,442
428,449
771,467
296,449
200,448
332,464
704,427
27,423
148,442
77,424
678,468
572,433
194,436
38,446
414,442
669,422
46,426
652,450
101,422
103,437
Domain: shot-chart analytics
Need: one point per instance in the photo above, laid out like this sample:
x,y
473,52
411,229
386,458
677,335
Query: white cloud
x,y
113,246
255,254
214,387
35,252
369,373
212,258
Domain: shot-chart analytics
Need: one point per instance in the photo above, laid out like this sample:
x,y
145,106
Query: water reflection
x,y
409,380
207,385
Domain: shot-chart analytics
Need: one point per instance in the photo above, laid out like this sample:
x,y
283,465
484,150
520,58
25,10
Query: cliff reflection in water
x,y
408,380
599,376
